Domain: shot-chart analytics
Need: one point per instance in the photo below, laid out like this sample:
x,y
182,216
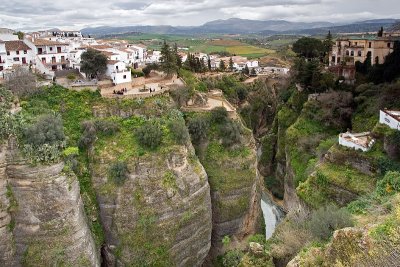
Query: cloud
x,y
75,14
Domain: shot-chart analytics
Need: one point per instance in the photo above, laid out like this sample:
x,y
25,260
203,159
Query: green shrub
x,y
326,220
118,172
389,185
219,115
198,128
181,96
106,127
137,73
179,131
88,134
149,135
71,76
48,129
231,134
232,258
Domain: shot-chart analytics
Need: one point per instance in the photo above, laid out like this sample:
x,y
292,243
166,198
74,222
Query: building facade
x,y
347,51
391,118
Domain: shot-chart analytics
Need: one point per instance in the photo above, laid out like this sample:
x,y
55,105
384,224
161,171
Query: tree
x,y
20,34
222,66
308,47
230,64
94,63
198,128
168,60
47,130
209,64
380,32
21,82
246,70
118,172
219,115
181,96
327,43
179,131
150,134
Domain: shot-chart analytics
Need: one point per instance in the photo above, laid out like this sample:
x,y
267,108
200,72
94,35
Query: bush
x,y
149,135
219,115
181,96
47,130
326,220
106,127
89,134
389,185
231,134
179,131
198,128
118,172
136,73
232,258
71,76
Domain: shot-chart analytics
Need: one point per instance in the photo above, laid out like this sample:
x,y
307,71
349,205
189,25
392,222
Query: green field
x,y
202,44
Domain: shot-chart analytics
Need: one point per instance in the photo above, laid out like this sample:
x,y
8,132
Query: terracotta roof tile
x,y
44,42
16,46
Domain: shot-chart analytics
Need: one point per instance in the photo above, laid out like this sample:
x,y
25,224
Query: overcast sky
x,y
77,14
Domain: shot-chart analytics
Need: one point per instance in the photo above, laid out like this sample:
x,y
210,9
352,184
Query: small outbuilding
x,y
358,141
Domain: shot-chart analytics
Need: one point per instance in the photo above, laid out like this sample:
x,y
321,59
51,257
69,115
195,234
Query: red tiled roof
x,y
16,46
44,42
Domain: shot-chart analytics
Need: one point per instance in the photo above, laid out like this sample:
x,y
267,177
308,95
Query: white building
x,y
391,118
15,53
153,57
141,54
3,56
276,70
358,141
239,63
53,55
118,72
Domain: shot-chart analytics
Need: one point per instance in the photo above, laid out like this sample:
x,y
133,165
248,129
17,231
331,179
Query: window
x,y
347,52
8,53
352,53
369,45
17,52
25,52
388,45
124,77
16,59
359,53
51,48
1,68
356,43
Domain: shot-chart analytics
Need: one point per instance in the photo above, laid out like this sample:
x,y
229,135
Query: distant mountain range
x,y
242,26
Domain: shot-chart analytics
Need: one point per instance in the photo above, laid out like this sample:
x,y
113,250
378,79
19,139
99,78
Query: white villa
x,y
391,118
358,141
153,57
239,63
14,53
118,72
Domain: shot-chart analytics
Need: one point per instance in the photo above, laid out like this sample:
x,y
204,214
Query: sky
x,y
78,14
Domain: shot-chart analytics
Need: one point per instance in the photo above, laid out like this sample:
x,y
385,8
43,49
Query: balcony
x,y
63,62
51,52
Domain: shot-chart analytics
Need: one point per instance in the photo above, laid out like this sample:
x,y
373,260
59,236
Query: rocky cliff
x,y
162,214
42,222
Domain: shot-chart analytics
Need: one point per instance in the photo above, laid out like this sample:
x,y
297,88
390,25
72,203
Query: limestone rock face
x,y
44,214
161,214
